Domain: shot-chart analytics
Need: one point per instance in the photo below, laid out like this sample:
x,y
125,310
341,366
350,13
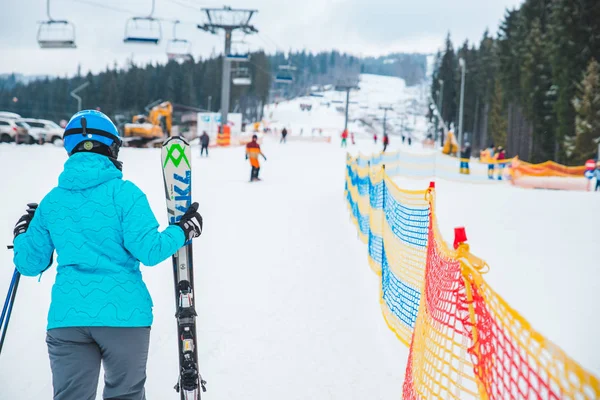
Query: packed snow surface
x,y
287,305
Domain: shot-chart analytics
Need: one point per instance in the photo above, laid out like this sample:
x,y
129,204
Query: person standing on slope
x,y
252,153
465,157
204,140
101,227
490,157
284,133
500,157
386,142
597,176
345,138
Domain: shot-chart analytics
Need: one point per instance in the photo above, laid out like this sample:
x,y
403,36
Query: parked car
x,y
44,131
9,115
12,130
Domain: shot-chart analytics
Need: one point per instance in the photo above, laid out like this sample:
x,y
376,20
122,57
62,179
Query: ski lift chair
x,y
239,52
242,77
55,34
284,74
179,49
143,30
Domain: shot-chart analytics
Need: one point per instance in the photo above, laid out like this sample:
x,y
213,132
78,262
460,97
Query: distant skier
x,y
204,140
375,138
490,156
252,153
597,176
500,156
101,227
386,142
465,157
352,138
345,138
284,134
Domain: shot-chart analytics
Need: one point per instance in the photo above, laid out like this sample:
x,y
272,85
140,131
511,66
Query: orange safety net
x,y
549,168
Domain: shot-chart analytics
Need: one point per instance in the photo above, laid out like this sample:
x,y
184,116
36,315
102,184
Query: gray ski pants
x,y
75,358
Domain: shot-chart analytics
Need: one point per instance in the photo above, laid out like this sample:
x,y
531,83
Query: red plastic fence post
x,y
460,236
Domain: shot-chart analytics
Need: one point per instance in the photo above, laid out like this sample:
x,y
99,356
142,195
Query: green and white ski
x,y
177,174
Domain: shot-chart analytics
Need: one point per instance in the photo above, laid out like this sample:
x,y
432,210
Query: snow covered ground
x,y
288,307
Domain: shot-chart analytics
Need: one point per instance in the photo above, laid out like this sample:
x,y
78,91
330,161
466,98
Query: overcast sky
x,y
361,27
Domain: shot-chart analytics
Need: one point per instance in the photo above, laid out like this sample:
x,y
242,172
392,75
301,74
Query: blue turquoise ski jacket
x,y
101,227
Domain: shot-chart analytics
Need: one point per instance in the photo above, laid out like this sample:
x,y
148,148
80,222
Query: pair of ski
x,y
177,176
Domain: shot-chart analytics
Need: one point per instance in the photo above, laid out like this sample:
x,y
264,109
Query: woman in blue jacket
x,y
101,227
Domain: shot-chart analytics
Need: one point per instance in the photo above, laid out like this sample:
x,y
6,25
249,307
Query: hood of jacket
x,y
87,170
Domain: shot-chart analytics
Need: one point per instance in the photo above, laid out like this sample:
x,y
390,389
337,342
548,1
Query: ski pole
x,y
8,306
10,289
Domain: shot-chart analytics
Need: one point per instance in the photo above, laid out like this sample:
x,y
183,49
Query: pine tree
x,y
447,73
587,110
498,123
536,84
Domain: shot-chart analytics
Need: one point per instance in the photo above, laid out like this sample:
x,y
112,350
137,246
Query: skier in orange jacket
x,y
252,153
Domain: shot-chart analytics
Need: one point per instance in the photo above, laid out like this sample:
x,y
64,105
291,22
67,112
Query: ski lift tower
x,y
229,20
346,86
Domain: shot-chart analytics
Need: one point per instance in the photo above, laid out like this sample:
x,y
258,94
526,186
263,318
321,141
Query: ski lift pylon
x,y
179,49
56,34
143,30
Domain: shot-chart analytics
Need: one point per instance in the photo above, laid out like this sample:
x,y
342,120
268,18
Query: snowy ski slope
x,y
365,116
288,306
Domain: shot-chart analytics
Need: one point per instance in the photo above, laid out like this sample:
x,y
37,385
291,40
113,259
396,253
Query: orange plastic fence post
x,y
460,237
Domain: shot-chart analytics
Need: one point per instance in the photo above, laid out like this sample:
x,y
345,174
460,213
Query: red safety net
x,y
439,365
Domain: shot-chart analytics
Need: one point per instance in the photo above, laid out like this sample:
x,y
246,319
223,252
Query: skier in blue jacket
x,y
101,227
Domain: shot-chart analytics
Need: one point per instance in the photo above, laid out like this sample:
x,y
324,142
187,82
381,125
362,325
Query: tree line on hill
x,y
196,83
534,88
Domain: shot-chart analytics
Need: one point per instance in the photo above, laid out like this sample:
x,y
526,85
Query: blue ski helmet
x,y
92,131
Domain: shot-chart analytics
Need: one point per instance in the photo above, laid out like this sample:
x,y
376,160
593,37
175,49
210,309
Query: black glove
x,y
191,222
25,220
246,156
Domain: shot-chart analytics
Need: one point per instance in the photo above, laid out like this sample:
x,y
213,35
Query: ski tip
x,y
175,139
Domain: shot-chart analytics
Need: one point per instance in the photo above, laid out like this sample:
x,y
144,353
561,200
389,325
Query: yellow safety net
x,y
465,340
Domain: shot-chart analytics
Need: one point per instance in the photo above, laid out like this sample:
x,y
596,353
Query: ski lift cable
x,y
196,7
130,12
267,73
104,6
